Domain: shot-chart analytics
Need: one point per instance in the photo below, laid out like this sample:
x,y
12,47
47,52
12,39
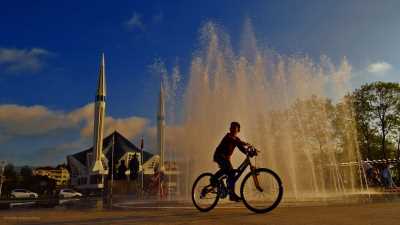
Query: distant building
x,y
149,165
116,147
172,170
60,174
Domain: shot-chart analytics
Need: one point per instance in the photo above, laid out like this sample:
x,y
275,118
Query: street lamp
x,y
112,168
3,163
141,161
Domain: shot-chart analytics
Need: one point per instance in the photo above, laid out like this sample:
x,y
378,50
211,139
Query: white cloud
x,y
84,113
129,127
16,120
135,22
20,121
14,60
379,67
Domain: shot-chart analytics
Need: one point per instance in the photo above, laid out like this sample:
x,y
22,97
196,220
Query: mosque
x,y
90,168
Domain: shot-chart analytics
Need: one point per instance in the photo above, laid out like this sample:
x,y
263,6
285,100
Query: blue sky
x,y
49,55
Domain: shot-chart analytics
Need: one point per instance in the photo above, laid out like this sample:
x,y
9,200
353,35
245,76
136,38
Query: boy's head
x,y
235,128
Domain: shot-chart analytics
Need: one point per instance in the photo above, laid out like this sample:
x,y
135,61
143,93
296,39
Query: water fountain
x,y
284,104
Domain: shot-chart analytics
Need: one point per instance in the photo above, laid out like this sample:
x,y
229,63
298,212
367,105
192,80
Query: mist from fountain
x,y
284,105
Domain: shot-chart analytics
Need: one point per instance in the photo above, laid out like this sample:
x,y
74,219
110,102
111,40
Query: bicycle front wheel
x,y
261,191
204,195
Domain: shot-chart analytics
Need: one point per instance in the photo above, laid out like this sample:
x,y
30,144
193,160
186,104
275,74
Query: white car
x,y
69,193
23,193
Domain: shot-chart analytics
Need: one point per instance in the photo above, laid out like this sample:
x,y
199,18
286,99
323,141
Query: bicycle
x,y
260,194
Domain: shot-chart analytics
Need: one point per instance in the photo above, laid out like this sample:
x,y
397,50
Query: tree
x,y
42,185
376,106
385,108
10,179
312,123
396,133
360,100
26,180
345,129
26,172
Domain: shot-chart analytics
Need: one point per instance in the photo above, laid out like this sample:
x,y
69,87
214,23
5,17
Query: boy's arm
x,y
240,144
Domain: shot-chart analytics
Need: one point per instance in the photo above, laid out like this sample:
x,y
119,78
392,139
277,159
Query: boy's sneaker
x,y
234,197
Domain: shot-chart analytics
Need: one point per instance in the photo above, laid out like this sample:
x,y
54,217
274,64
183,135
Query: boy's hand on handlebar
x,y
252,152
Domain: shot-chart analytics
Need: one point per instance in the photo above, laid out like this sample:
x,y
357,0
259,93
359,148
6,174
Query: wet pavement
x,y
365,214
379,209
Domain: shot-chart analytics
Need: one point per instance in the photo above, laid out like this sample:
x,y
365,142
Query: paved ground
x,y
386,213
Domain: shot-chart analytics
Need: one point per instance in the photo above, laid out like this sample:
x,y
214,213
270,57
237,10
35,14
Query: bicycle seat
x,y
223,176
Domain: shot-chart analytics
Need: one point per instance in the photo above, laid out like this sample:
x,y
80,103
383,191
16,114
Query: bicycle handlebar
x,y
252,151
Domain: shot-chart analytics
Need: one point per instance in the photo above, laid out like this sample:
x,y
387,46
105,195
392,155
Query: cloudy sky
x,y
49,55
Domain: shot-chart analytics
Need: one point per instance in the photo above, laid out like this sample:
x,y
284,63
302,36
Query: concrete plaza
x,y
378,213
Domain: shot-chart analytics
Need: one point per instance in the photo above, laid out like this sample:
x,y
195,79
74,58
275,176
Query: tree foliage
x,y
376,106
367,119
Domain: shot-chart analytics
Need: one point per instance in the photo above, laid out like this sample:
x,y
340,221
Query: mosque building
x,y
91,168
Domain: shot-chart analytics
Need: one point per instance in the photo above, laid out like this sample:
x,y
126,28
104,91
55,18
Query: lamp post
x,y
2,165
141,162
112,167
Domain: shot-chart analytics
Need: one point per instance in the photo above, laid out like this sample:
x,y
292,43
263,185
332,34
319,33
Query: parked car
x,y
23,193
69,193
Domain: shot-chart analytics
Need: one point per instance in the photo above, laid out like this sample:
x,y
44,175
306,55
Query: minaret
x,y
99,112
161,127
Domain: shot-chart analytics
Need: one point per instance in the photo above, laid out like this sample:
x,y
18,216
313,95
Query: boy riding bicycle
x,y
261,189
222,157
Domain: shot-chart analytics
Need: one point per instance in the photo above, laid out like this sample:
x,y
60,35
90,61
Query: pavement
x,y
382,212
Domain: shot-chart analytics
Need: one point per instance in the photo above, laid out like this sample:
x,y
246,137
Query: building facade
x,y
116,149
59,174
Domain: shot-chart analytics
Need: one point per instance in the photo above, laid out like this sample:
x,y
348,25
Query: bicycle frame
x,y
239,171
243,166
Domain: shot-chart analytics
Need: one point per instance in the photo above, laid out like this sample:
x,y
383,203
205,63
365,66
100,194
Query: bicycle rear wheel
x,y
204,196
261,192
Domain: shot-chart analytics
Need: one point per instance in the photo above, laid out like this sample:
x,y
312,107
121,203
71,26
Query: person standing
x,y
133,167
121,170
